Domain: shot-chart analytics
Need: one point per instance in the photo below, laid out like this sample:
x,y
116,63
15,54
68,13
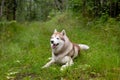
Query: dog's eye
x,y
57,38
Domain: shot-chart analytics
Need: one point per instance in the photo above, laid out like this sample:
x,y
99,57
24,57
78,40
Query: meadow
x,y
25,48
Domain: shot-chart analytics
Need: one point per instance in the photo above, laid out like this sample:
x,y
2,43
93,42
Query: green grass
x,y
25,48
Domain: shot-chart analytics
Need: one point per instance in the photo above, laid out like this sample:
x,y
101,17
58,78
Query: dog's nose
x,y
52,42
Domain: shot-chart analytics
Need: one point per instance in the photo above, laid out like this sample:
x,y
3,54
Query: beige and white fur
x,y
63,50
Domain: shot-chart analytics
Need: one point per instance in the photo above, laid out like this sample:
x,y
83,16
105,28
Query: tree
x,y
22,10
96,8
61,5
1,8
14,9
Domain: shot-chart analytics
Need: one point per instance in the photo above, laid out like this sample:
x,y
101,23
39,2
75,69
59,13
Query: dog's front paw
x,y
45,66
63,67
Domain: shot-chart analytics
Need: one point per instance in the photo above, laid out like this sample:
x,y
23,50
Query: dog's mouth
x,y
55,45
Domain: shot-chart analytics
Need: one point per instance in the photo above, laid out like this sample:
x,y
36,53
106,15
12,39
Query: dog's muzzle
x,y
54,45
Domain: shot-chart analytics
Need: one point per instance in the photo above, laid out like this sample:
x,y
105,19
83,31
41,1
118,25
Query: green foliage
x,y
28,49
25,10
8,30
94,9
43,10
76,5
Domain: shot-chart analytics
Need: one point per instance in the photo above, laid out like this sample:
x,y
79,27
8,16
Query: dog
x,y
63,50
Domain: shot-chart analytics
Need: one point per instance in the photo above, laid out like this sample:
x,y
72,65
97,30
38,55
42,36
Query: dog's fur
x,y
63,50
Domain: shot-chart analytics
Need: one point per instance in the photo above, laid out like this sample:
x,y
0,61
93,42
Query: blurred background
x,y
42,10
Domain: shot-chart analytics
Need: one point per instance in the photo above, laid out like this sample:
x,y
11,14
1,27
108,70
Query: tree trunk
x,y
60,5
14,9
84,8
114,8
1,8
97,8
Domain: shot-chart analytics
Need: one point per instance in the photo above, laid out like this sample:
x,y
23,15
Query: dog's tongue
x,y
54,46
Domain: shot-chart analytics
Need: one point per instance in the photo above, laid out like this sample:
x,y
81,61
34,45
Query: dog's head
x,y
57,39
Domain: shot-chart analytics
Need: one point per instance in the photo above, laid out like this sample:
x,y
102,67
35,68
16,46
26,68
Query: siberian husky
x,y
63,50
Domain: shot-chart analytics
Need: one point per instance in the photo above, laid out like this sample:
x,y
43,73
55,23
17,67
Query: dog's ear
x,y
55,31
63,32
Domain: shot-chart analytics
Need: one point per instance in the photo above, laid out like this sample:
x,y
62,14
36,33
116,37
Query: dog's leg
x,y
68,62
49,63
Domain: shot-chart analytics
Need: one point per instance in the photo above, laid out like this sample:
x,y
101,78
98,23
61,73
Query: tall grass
x,y
24,49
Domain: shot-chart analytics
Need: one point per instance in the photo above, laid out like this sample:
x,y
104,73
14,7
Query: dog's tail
x,y
84,47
